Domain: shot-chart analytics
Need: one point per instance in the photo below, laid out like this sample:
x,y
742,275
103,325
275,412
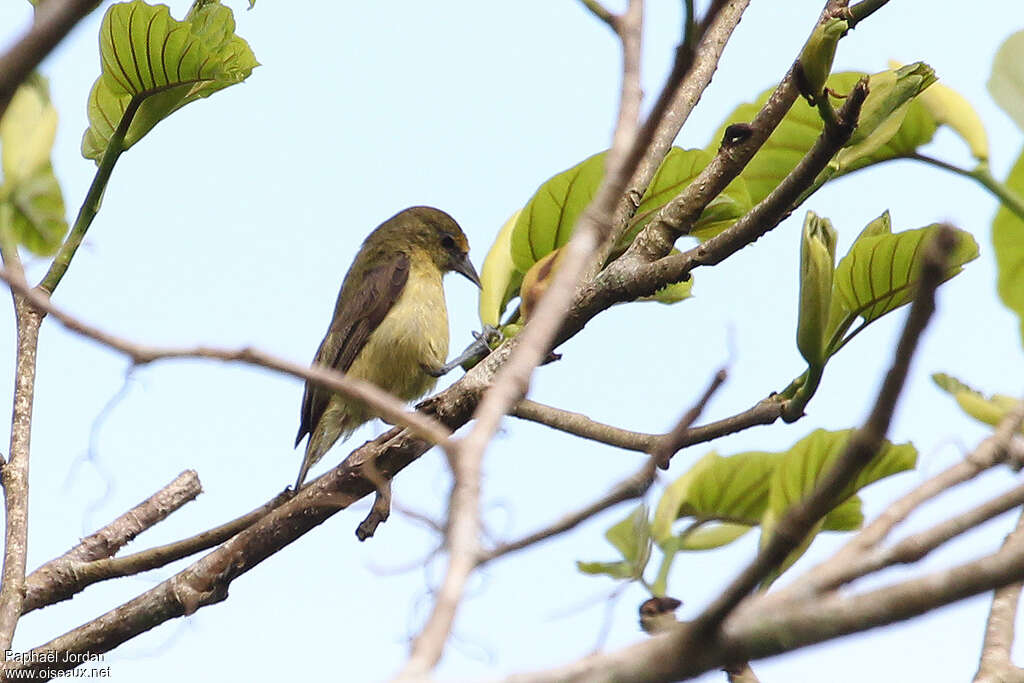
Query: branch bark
x,y
54,19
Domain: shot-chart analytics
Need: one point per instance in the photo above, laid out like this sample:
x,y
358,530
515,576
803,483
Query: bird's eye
x,y
448,242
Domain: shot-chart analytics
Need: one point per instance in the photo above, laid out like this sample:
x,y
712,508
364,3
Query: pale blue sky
x,y
233,222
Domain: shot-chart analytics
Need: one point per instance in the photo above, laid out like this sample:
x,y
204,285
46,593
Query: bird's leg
x,y
381,509
478,349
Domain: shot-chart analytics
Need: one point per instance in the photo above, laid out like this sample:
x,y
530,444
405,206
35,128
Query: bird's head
x,y
435,233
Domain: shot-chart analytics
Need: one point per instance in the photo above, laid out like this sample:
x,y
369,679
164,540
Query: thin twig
x,y
602,13
581,425
679,436
630,488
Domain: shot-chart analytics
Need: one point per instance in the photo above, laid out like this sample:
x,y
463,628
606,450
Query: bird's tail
x,y
323,436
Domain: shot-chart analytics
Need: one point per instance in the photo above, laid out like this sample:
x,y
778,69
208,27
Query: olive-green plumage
x,y
390,324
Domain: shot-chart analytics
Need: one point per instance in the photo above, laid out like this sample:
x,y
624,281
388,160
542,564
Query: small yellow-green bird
x,y
390,324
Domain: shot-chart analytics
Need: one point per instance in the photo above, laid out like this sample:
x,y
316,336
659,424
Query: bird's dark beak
x,y
464,266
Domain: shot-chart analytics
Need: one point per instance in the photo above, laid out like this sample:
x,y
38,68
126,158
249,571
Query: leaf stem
x,y
982,175
93,198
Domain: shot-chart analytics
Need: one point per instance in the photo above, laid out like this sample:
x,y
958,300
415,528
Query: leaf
x,y
950,108
632,538
1006,84
1008,243
881,272
817,264
882,115
547,220
27,131
731,488
34,207
161,64
802,467
987,409
818,54
672,294
31,202
713,536
616,570
802,125
679,168
499,278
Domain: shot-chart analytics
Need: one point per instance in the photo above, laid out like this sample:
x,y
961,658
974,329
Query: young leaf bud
x,y
817,264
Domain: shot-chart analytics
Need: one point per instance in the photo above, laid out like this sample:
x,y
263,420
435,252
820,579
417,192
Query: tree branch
x,y
14,476
47,588
54,19
602,13
996,666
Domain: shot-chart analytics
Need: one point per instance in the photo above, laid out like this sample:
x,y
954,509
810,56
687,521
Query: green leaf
x,y
31,203
950,108
802,125
713,536
883,113
1006,84
818,54
499,278
632,538
160,64
27,131
987,409
817,263
672,294
34,207
616,570
1008,243
881,273
548,219
802,467
733,489
679,168
847,516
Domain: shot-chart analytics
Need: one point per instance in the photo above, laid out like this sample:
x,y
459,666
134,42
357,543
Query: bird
x,y
390,323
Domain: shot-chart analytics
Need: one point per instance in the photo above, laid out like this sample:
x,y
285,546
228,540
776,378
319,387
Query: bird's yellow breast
x,y
413,334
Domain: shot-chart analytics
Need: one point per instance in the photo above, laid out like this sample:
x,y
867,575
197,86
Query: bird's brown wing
x,y
354,321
